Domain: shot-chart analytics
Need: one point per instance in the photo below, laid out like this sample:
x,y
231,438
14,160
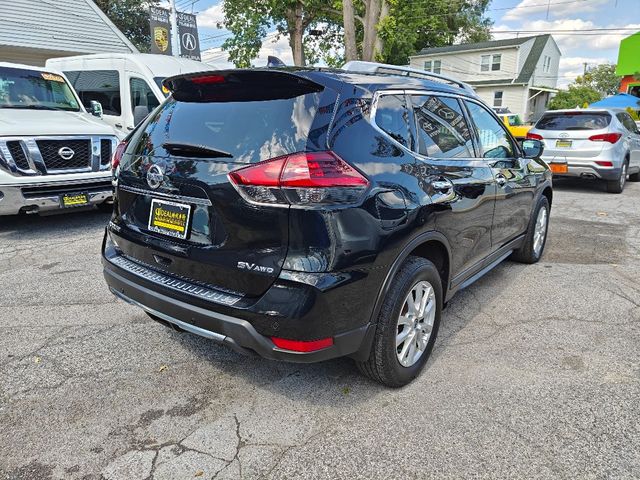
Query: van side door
x,y
103,84
141,100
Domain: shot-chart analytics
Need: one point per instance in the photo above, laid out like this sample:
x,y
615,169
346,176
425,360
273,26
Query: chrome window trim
x,y
470,161
155,193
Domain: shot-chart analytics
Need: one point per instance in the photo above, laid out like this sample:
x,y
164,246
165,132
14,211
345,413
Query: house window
x,y
497,99
433,66
546,66
490,62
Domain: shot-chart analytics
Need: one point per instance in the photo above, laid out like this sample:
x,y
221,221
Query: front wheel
x,y
617,186
536,236
407,324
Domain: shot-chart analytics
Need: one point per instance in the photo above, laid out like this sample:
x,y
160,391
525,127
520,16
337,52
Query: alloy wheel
x,y
415,323
540,231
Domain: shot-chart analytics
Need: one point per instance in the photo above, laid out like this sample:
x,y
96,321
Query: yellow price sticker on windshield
x,y
52,77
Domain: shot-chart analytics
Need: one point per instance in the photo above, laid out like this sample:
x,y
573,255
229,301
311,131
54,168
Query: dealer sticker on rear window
x,y
169,218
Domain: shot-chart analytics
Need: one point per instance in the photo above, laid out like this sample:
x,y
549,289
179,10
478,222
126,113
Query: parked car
x,y
53,154
306,214
128,86
515,125
591,143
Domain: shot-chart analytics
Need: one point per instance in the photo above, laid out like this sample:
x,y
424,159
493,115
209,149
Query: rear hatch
x,y
568,135
178,210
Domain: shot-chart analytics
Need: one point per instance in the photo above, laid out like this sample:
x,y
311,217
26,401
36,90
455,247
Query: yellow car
x,y
515,125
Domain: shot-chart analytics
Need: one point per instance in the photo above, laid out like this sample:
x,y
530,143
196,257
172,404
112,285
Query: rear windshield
x,y
248,131
574,121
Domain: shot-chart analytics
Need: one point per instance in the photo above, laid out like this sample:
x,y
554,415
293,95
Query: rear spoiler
x,y
239,85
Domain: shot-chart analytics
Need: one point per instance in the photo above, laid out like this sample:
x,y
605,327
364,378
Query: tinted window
x,y
251,131
574,121
100,85
494,140
142,95
392,116
442,129
628,122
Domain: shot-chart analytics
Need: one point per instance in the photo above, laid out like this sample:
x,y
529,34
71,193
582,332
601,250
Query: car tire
x,y
617,186
398,318
536,237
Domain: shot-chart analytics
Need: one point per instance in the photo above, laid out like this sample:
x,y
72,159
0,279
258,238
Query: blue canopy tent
x,y
620,100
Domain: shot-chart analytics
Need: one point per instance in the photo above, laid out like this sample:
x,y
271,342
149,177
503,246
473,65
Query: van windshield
x,y
35,90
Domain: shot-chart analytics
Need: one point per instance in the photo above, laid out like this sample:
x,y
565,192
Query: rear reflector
x,y
302,346
606,137
534,136
313,178
604,163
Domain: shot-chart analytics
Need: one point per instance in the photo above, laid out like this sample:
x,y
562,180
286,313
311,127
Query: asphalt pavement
x,y
535,374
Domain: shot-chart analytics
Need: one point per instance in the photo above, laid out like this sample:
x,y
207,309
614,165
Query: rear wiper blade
x,y
197,151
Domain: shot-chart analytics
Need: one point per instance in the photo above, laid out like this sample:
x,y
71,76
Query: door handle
x,y
501,180
129,128
443,191
118,125
442,186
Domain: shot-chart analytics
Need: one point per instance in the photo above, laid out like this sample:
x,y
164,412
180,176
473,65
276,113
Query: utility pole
x,y
175,38
585,69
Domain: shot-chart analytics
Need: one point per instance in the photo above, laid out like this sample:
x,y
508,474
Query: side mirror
x,y
139,114
532,148
96,109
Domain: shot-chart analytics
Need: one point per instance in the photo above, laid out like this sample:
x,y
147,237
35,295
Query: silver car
x,y
591,143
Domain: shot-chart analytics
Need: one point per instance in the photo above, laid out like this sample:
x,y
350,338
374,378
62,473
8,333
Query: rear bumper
x,y
236,333
45,196
588,170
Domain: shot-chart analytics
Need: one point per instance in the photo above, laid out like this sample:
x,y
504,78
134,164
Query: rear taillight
x,y
302,346
315,178
604,163
534,136
606,137
117,156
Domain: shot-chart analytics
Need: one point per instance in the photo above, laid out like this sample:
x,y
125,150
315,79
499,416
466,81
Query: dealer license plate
x,y
563,143
74,200
169,218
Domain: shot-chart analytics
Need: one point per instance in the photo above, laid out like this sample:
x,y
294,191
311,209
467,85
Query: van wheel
x,y
407,324
536,236
617,186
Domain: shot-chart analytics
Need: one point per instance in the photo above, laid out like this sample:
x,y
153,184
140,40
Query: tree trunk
x,y
371,16
350,49
379,42
296,32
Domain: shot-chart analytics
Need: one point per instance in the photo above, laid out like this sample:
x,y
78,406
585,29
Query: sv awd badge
x,y
254,267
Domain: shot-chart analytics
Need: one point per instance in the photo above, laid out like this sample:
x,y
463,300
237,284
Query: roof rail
x,y
358,66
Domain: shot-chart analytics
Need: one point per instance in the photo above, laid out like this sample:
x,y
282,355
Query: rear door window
x,y
442,129
100,85
392,117
494,139
574,121
142,95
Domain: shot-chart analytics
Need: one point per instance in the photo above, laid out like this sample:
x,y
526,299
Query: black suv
x,y
307,214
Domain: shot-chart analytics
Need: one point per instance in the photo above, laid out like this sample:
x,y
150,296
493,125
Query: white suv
x,y
53,154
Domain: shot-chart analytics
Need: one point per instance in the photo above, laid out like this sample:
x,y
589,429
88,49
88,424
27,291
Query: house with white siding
x,y
32,31
520,74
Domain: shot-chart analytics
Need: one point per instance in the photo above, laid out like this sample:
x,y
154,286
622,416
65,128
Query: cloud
x,y
270,46
572,67
556,8
211,16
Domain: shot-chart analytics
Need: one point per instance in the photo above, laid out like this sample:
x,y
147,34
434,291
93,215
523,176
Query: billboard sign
x,y
188,35
160,24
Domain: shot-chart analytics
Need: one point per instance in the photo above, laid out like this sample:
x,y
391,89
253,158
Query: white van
x,y
128,86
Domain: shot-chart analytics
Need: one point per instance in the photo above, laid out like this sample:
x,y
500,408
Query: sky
x,y
620,17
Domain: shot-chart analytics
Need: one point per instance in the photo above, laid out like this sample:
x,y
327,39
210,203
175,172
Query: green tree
x,y
132,18
575,96
602,78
